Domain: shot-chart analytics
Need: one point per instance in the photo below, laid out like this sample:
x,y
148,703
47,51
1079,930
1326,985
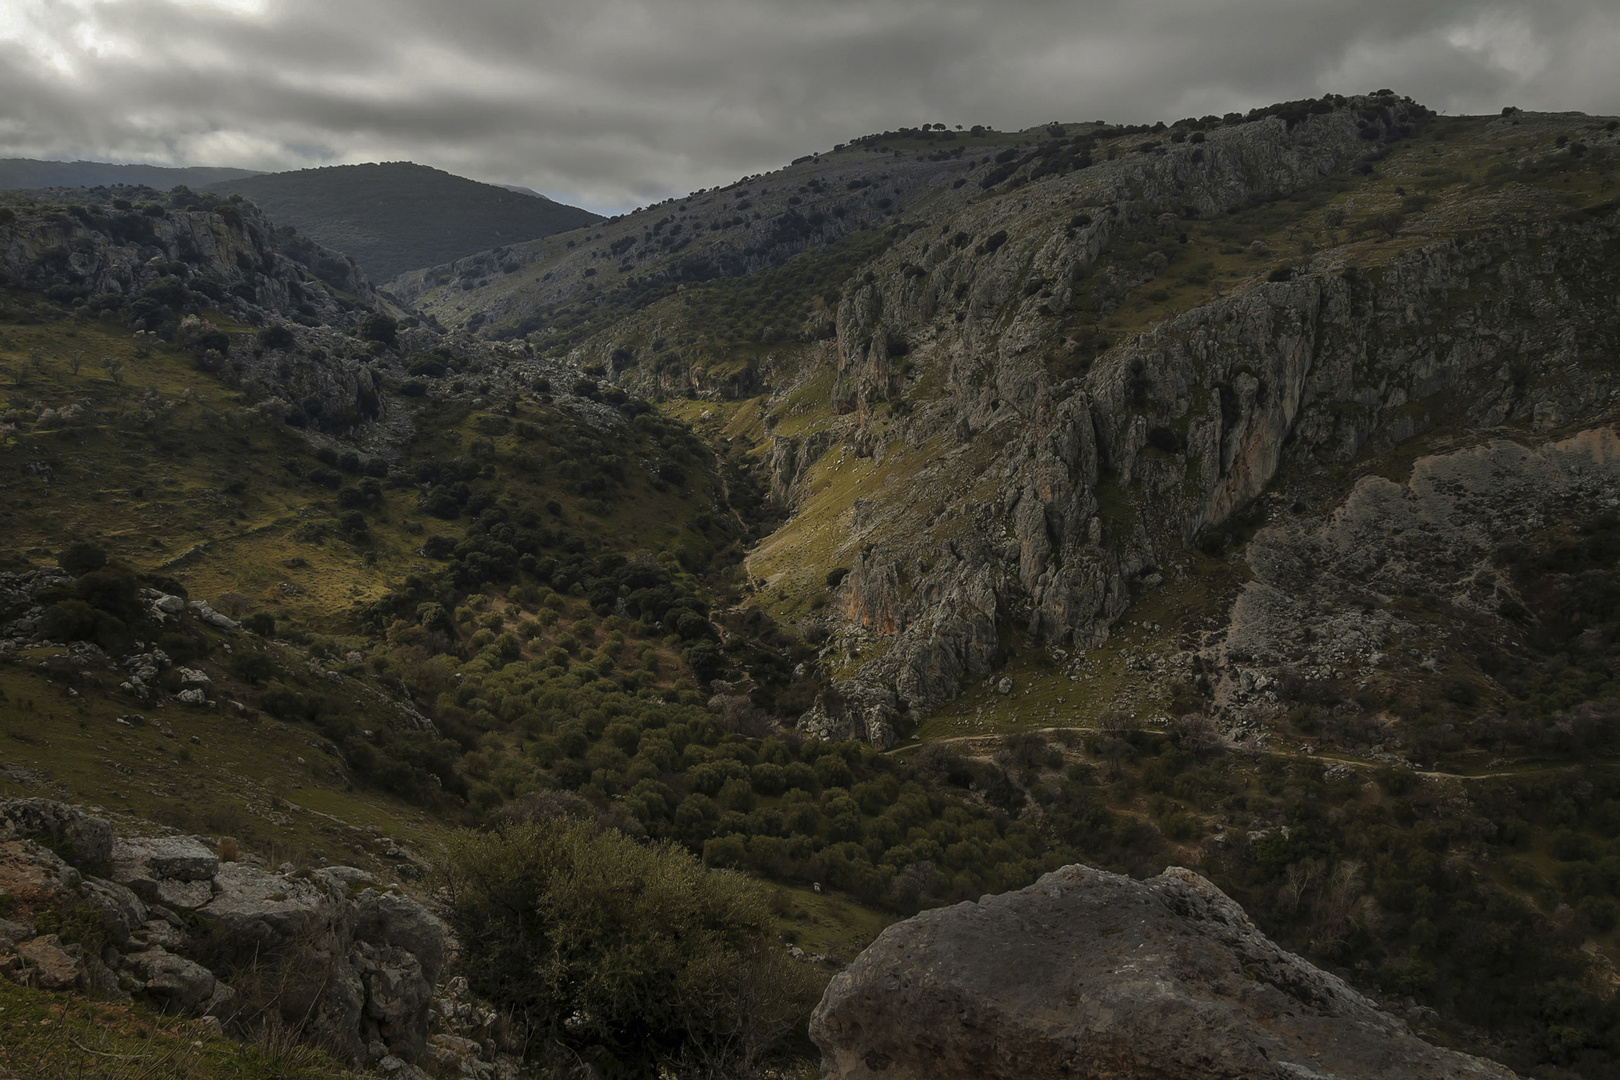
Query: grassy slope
x,y
53,1036
147,472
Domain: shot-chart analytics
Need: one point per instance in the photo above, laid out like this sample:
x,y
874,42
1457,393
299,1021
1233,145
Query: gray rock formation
x,y
1313,606
1088,975
84,838
353,964
1068,502
104,249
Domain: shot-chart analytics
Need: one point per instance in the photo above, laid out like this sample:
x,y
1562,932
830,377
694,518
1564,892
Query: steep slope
x,y
1249,478
398,216
1043,402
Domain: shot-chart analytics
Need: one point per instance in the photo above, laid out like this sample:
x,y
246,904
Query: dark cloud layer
x,y
614,103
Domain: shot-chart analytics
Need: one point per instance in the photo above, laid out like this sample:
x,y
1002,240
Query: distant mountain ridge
x,y
29,173
399,216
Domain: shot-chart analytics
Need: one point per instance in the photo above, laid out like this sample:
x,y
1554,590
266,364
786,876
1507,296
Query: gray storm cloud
x,y
615,103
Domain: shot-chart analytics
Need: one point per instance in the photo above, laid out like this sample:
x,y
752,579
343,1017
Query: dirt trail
x,y
1356,763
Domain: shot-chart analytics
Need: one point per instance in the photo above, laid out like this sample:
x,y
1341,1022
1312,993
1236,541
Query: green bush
x,y
260,622
81,558
380,328
630,957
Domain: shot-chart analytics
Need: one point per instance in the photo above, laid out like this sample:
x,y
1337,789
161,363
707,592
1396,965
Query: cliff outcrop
x,y
1050,467
97,245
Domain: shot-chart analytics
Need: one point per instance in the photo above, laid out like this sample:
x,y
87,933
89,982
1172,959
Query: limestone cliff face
x,y
1318,603
1045,498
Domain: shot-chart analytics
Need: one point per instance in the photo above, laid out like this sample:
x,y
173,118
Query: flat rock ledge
x,y
1088,975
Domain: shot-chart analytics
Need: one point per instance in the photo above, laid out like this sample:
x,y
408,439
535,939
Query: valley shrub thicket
x,y
627,956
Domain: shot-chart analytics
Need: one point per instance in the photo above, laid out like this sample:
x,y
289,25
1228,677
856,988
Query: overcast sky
x,y
611,104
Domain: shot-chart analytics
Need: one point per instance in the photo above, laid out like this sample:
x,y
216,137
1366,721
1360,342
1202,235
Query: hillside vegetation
x,y
28,173
1237,493
398,216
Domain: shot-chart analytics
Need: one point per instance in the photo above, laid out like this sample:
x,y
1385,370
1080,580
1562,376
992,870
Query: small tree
x,y
114,367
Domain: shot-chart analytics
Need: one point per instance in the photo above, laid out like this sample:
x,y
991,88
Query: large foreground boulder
x,y
1087,975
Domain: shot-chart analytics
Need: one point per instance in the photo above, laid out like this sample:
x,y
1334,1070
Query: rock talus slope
x,y
1089,975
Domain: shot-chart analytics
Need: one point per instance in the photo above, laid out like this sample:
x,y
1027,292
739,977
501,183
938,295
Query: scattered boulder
x,y
181,858
1087,974
48,964
173,871
354,965
192,677
33,874
389,919
121,910
178,984
13,932
76,836
212,617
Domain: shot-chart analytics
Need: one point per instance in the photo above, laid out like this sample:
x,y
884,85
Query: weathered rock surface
x,y
1313,604
48,965
355,965
88,839
178,984
1089,975
1028,470
181,858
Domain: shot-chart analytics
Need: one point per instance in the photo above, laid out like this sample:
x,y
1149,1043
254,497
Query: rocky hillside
x,y
1053,371
106,247
936,512
350,962
1284,434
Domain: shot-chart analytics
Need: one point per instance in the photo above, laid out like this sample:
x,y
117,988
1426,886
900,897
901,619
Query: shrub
x,y
277,337
81,558
379,327
629,956
1163,439
260,622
